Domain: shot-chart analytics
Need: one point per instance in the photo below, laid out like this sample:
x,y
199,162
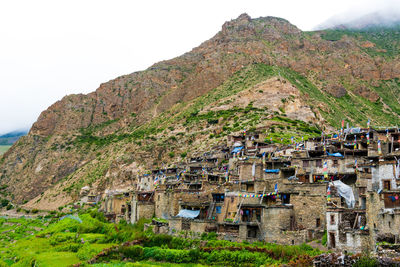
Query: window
x,y
250,187
306,163
318,222
285,198
386,185
332,219
335,162
218,197
363,203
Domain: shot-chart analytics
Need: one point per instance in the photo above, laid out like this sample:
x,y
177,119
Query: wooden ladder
x,y
238,211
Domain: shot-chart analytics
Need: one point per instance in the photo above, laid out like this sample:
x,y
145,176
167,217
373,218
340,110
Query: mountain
x,y
11,137
254,73
380,19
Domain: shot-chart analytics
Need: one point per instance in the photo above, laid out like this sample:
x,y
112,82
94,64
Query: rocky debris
x,y
333,260
344,260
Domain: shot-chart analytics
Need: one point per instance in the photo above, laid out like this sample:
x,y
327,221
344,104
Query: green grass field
x,y
3,149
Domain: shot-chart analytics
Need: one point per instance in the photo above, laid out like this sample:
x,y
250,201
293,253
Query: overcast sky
x,y
49,49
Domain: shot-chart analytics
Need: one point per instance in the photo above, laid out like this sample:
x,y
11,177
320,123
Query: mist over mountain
x,y
382,18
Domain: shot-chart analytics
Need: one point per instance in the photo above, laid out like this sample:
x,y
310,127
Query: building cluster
x,y
345,186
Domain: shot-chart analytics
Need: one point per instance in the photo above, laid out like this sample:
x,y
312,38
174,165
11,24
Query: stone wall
x,y
175,225
274,221
166,204
145,210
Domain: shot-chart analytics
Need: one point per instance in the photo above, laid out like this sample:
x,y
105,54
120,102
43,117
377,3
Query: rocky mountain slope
x,y
254,73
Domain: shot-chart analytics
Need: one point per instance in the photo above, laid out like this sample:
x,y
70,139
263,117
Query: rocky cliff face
x,y
124,126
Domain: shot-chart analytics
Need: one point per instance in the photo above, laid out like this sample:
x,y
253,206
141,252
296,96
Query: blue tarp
x,y
188,213
272,170
237,149
218,210
335,154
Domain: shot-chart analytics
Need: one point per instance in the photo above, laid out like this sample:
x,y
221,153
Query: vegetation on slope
x,y
386,39
3,149
350,107
87,237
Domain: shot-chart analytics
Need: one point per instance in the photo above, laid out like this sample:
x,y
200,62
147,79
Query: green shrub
x,y
366,261
4,202
87,252
132,252
69,247
159,240
58,238
324,239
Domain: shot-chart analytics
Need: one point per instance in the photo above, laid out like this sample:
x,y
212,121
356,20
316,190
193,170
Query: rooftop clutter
x,y
344,184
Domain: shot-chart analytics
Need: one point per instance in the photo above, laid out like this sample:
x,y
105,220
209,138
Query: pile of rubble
x,y
333,259
343,260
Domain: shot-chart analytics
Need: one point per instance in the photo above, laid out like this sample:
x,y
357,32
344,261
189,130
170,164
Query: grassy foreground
x,y
3,149
86,238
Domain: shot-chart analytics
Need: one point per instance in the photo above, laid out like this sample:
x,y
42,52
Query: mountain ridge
x,y
176,107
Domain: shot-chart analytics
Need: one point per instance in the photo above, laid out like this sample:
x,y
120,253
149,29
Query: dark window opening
x,y
218,197
250,187
386,185
332,219
285,198
251,214
318,222
332,240
252,231
363,203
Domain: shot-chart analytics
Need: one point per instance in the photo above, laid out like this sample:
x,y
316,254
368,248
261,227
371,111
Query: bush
x,y
324,239
366,261
87,252
4,202
61,238
69,247
159,240
132,252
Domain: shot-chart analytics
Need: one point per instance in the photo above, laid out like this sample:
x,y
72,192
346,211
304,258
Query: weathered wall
x,y
145,210
274,221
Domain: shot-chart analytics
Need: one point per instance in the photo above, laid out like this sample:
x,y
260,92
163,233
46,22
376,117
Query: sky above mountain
x,y
49,49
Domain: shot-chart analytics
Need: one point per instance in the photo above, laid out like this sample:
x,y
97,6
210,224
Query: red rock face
x,y
241,42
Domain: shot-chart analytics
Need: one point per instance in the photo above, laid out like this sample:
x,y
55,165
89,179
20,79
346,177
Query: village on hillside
x,y
343,185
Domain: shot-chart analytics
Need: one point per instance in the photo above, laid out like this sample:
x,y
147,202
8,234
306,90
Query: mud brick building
x,y
345,186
